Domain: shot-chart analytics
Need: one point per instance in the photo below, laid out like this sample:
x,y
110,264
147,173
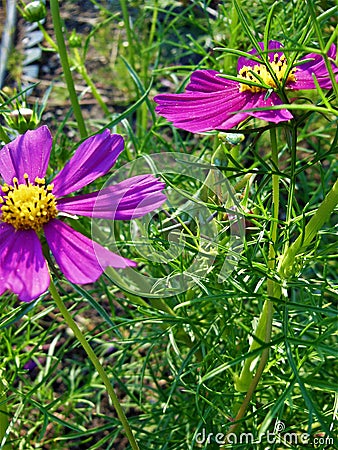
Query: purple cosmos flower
x,y
29,207
215,103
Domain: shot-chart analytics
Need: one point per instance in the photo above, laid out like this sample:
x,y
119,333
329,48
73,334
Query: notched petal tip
x,y
28,153
92,159
80,259
131,198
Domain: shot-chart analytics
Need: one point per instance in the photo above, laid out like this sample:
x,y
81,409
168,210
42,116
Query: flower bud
x,y
75,41
34,11
231,138
22,119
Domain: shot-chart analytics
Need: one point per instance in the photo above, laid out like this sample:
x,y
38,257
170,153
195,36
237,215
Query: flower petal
x,y
28,153
217,104
315,67
92,159
208,104
80,259
208,81
23,267
246,61
6,233
270,115
129,199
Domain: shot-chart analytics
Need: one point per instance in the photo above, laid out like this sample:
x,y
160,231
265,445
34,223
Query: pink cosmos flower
x,y
215,103
30,208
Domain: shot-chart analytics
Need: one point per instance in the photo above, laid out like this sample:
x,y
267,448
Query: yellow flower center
x,y
28,206
260,74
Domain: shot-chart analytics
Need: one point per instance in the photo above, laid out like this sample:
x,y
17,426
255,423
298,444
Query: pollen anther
x,y
259,74
27,205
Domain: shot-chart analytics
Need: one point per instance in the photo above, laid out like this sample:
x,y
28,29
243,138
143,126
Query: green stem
x,y
55,12
47,38
125,15
152,31
245,381
291,192
264,326
94,91
251,390
306,237
142,112
275,200
3,417
83,71
96,363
